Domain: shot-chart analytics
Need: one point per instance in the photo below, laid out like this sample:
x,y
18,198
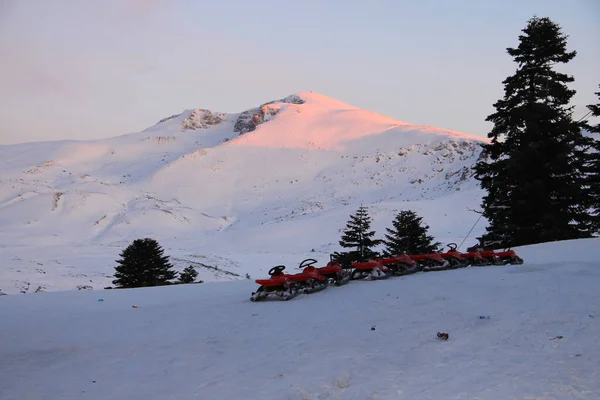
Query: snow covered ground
x,y
208,341
249,248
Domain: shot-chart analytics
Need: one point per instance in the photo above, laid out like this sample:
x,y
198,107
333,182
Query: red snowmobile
x,y
279,285
310,280
454,257
472,256
430,261
370,270
334,273
493,257
400,264
502,257
288,286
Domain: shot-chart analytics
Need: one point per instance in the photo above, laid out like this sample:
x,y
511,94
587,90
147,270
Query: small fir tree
x,y
143,264
188,275
408,235
358,235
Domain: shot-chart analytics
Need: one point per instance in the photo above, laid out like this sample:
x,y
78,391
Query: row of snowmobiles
x,y
314,279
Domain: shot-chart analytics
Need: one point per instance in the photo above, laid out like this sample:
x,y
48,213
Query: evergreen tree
x,y
358,235
592,165
408,235
532,169
188,275
142,264
595,110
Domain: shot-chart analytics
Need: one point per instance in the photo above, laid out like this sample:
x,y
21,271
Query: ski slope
x,y
365,340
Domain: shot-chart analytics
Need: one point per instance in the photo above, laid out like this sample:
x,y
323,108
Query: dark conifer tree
x,y
188,275
592,164
595,111
531,170
142,264
358,235
408,235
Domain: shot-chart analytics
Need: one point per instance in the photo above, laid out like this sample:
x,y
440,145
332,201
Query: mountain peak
x,y
302,120
317,99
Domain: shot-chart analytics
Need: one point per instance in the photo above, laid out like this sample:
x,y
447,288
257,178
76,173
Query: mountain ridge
x,y
247,121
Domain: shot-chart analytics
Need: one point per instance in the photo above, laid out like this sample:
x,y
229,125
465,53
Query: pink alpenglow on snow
x,y
328,124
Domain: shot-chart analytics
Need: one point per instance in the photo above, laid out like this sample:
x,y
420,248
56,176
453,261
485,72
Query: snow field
x,y
209,341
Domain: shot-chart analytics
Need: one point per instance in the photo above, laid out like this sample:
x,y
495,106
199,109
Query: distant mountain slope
x,y
216,182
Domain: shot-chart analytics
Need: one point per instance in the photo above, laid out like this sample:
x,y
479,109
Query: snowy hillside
x,y
222,190
365,340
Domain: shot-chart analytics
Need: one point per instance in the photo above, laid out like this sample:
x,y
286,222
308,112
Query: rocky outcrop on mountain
x,y
247,121
168,118
250,119
292,99
201,119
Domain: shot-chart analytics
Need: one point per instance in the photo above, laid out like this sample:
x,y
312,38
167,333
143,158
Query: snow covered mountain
x,y
231,192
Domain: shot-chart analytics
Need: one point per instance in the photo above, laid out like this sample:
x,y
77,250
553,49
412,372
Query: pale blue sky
x,y
87,69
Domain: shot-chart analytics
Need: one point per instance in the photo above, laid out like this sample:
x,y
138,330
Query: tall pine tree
x,y
358,235
592,165
531,170
142,264
408,235
595,111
